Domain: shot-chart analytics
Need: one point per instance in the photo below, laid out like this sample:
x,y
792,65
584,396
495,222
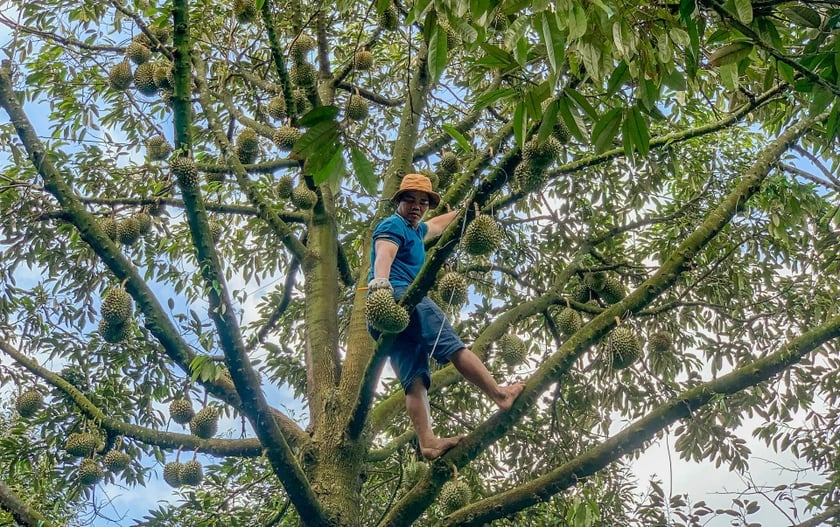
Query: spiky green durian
x,y
109,225
90,472
117,306
114,332
449,163
300,47
452,288
569,321
190,473
120,76
482,236
184,169
138,53
300,99
156,208
389,18
181,411
357,108
29,402
144,79
612,291
157,148
363,60
205,423
383,313
302,74
541,154
529,177
247,146
660,342
413,473
128,231
560,131
245,11
83,444
216,230
512,350
171,474
623,347
285,185
162,33
303,197
453,496
595,280
162,75
277,107
115,460
285,137
144,221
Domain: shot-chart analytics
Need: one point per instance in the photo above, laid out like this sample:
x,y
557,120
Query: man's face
x,y
413,205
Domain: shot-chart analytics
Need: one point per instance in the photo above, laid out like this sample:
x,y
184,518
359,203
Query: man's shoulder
x,y
391,223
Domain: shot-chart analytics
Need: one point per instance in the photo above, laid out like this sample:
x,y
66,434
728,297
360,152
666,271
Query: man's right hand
x,y
379,283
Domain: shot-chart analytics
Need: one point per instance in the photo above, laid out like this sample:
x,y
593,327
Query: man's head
x,y
414,197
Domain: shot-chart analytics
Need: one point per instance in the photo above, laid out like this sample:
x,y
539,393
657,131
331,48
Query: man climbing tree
x,y
397,256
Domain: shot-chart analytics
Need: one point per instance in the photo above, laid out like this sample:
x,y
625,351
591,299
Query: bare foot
x,y
509,394
439,446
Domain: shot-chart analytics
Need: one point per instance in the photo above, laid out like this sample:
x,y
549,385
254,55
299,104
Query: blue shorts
x,y
411,349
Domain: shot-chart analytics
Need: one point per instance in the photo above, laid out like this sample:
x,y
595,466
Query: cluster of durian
x,y
247,146
91,471
127,231
176,474
606,286
157,148
452,289
117,310
83,444
148,77
531,172
29,402
383,313
623,348
454,495
446,168
203,424
512,350
482,236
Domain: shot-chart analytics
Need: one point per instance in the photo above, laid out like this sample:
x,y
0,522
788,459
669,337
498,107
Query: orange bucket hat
x,y
420,183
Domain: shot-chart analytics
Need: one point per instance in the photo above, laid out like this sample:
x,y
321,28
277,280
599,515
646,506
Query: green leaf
x,y
488,98
437,52
553,40
364,171
496,57
333,170
318,115
744,10
581,102
803,15
568,117
577,21
730,53
458,137
549,118
259,4
315,139
414,14
635,134
519,124
619,76
606,129
534,99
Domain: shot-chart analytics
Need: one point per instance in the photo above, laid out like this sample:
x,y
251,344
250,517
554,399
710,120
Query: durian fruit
x,y
247,146
413,472
660,342
117,306
157,148
363,60
541,154
190,473
612,291
303,197
529,177
482,236
120,76
300,47
109,225
449,163
560,131
144,79
452,288
595,280
90,472
300,99
83,444
172,474
29,402
181,411
216,230
114,332
138,53
581,293
116,461
284,186
569,321
277,107
384,314
128,231
162,76
205,423
389,18
512,350
357,108
453,496
302,74
623,347
162,33
285,137
144,221
245,11
185,170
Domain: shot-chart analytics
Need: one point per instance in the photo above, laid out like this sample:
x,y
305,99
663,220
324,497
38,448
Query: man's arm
x,y
439,223
386,252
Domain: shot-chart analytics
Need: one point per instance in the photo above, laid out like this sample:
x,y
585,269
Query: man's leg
x,y
471,367
417,404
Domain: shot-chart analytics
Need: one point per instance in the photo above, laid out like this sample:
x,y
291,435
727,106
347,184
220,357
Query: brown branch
x,y
23,514
63,41
828,514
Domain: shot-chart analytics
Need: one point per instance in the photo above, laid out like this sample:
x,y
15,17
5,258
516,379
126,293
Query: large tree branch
x,y
23,514
819,519
553,368
634,436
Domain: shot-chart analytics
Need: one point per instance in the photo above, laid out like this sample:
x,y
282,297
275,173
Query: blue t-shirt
x,y
411,253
